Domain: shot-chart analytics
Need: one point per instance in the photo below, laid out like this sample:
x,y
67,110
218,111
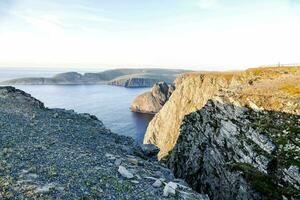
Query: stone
x,y
157,183
118,162
125,173
149,149
110,156
133,161
170,189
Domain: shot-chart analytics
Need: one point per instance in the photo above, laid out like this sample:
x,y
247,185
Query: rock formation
x,y
192,92
133,82
243,144
188,96
152,102
243,141
59,154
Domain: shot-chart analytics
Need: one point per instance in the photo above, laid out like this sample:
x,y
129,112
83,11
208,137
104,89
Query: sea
x,y
111,104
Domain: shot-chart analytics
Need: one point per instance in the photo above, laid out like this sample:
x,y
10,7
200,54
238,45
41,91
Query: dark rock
x,y
149,150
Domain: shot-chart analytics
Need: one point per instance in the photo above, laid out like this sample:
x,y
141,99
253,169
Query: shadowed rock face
x,y
152,102
232,148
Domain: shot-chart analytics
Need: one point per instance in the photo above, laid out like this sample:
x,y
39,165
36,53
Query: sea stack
x,y
153,101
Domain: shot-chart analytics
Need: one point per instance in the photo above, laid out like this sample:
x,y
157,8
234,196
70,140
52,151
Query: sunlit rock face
x,y
153,101
193,90
190,95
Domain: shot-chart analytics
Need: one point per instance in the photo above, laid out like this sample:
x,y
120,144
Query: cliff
x,y
59,154
133,82
192,92
121,77
152,102
244,143
188,96
238,133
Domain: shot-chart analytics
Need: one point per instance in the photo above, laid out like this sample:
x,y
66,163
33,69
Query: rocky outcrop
x,y
59,154
152,102
244,143
192,92
134,82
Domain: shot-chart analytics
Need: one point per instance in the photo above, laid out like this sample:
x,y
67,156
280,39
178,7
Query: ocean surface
x,y
109,103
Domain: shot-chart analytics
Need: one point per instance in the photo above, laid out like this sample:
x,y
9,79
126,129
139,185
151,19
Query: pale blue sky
x,y
171,33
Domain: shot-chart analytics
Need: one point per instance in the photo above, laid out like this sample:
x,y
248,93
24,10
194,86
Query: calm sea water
x,y
109,103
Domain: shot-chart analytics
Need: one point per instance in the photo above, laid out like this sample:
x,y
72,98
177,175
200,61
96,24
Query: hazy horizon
x,y
191,34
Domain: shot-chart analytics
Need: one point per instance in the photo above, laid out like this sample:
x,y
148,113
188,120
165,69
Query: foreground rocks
x,y
153,101
59,154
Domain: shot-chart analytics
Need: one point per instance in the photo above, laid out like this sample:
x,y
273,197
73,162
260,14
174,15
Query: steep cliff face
x,y
190,95
244,143
152,102
192,92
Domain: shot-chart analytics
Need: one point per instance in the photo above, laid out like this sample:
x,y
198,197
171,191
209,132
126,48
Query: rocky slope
x,y
119,77
244,143
153,101
59,154
192,92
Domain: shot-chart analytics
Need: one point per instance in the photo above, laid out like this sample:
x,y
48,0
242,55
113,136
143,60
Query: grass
x,y
291,89
266,185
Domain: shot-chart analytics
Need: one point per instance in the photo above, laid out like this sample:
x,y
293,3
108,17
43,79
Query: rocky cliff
x,y
152,102
189,96
59,154
192,92
134,82
243,144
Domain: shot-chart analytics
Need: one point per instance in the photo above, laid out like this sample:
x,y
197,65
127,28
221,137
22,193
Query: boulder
x,y
125,173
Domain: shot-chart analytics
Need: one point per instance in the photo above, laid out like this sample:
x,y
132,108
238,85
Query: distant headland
x,y
130,78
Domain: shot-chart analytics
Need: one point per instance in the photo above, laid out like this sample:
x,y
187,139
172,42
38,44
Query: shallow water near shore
x,y
109,103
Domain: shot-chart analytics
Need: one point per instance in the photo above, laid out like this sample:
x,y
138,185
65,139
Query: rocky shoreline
x,y
59,154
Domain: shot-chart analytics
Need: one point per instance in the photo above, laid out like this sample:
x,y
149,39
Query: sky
x,y
194,34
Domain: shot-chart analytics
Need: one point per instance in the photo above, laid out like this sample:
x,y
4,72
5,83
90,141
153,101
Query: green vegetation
x,y
284,130
266,185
